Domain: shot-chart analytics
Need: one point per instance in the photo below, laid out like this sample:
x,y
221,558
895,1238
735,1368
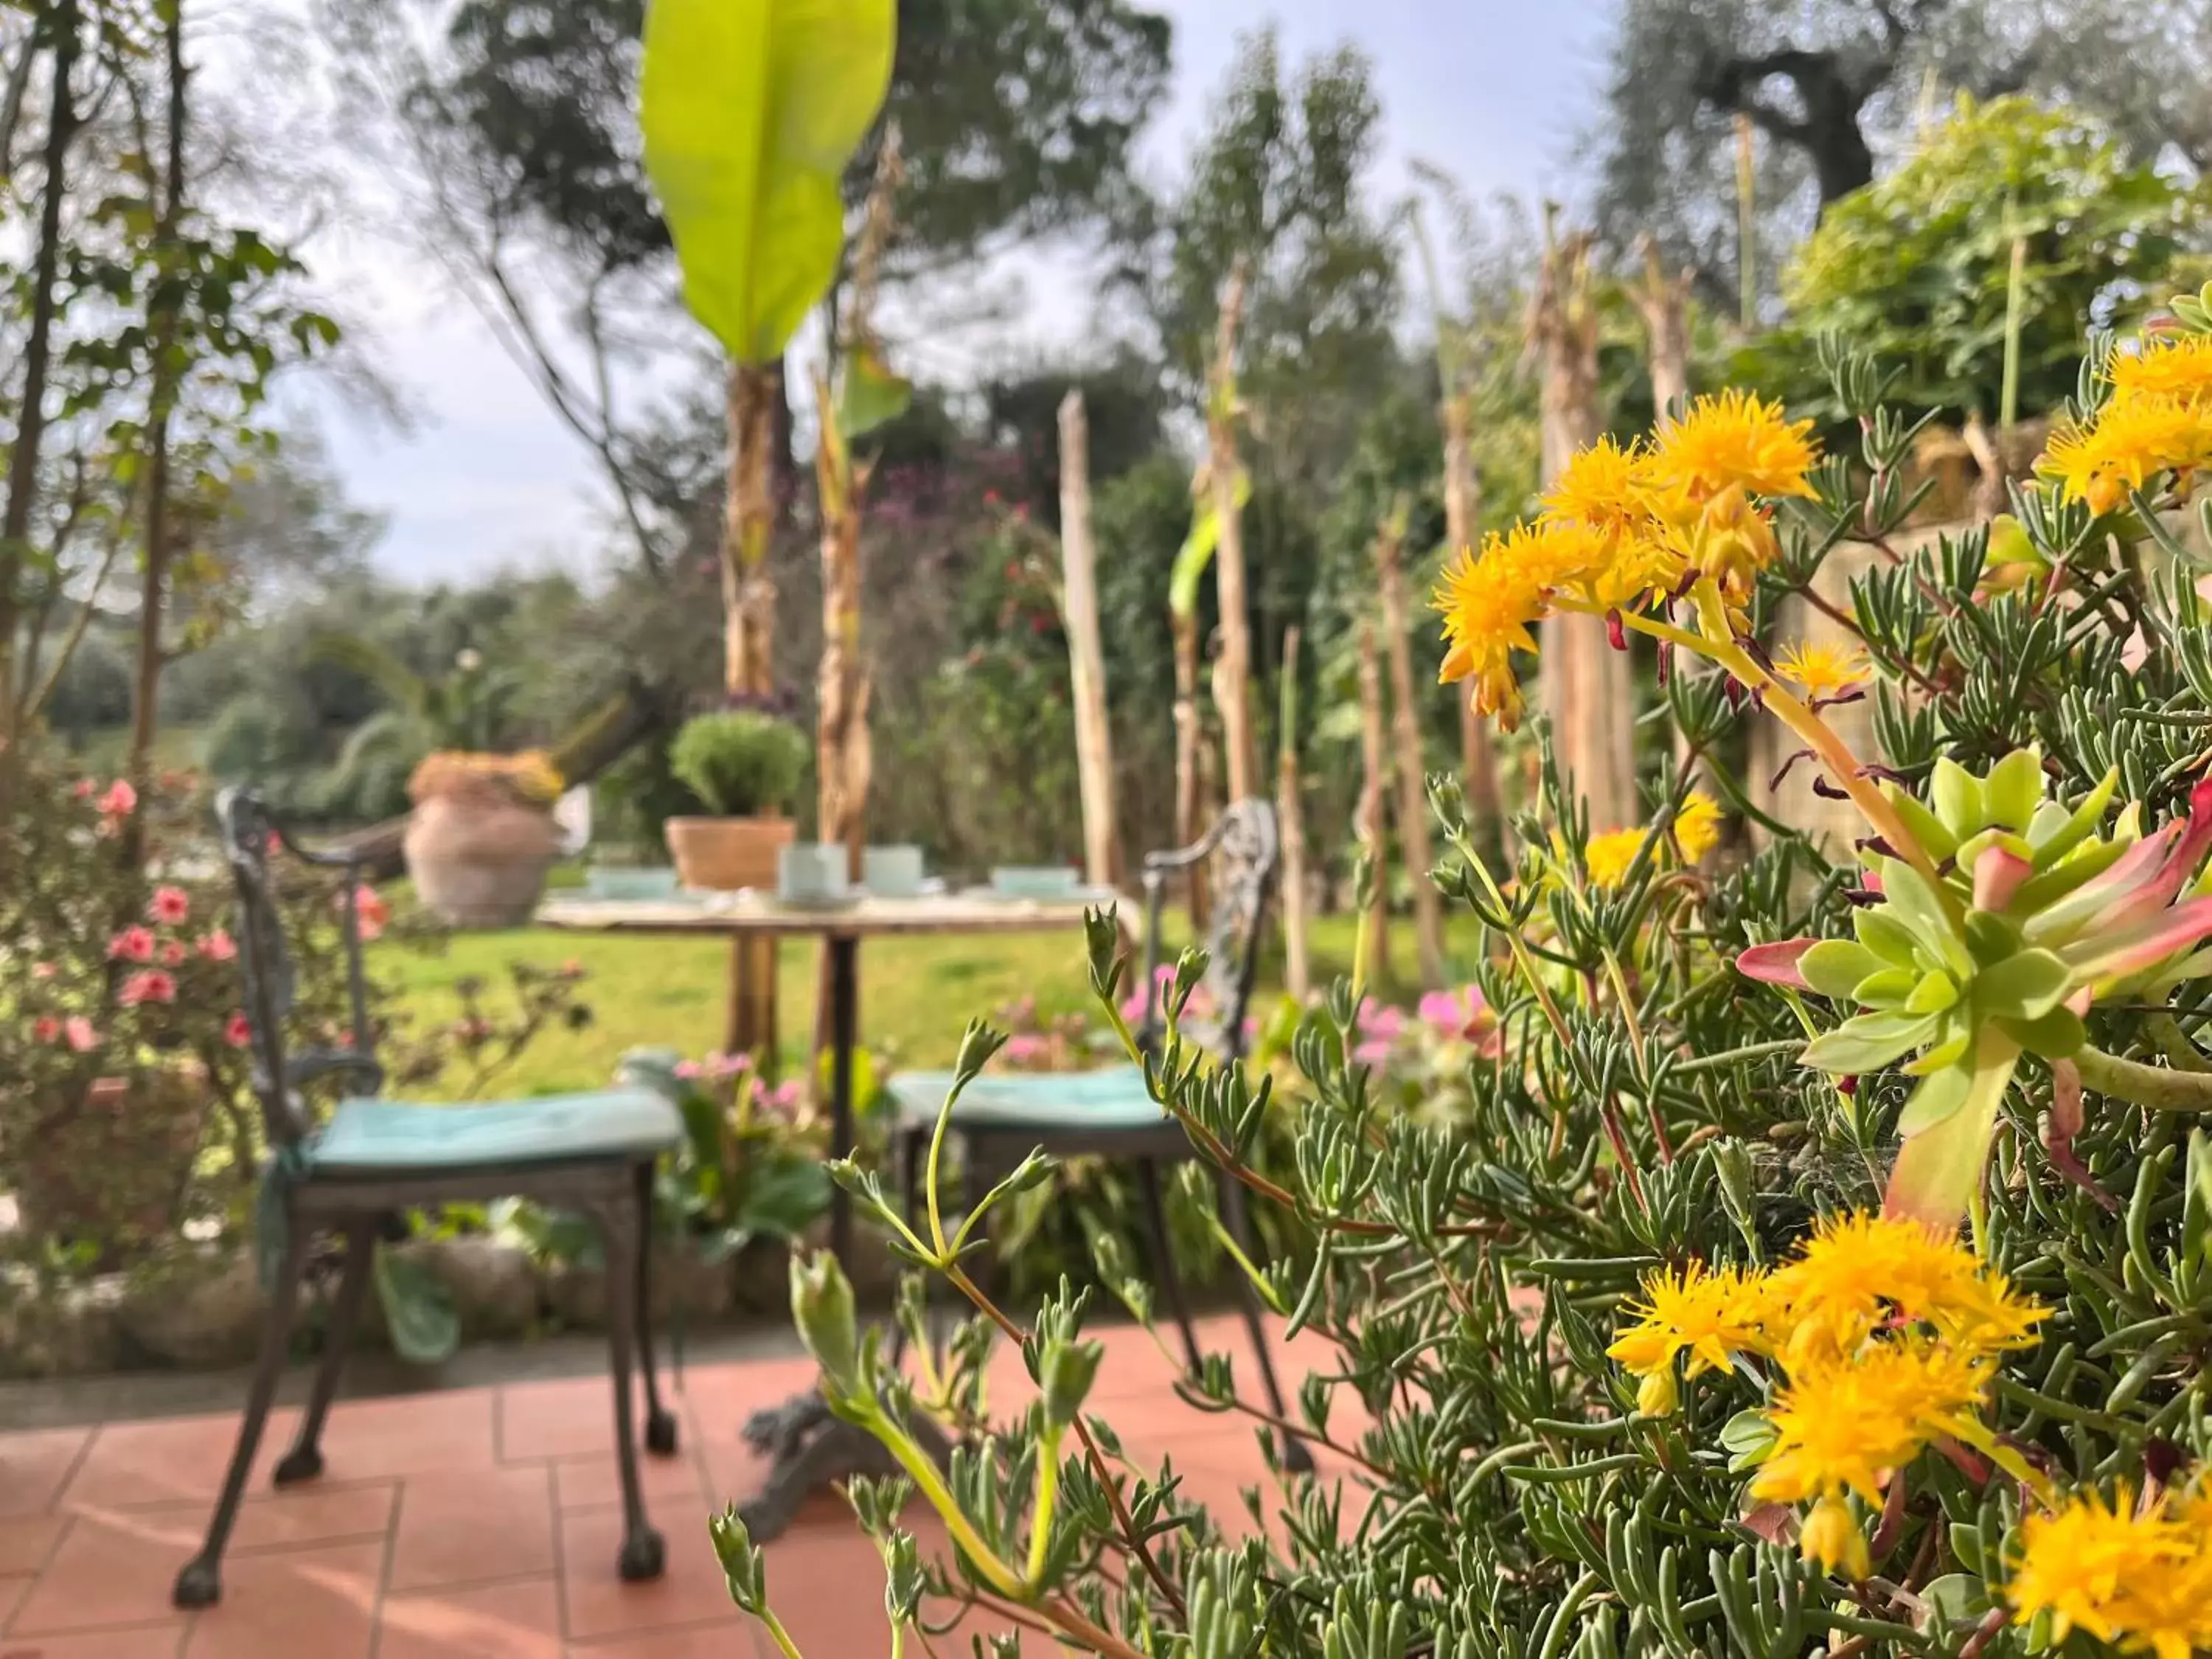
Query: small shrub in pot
x,y
746,769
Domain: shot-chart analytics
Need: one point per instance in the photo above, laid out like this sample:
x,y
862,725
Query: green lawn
x,y
916,994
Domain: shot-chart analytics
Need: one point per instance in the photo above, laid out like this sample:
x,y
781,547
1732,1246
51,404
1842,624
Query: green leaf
x,y
1915,903
2026,985
783,1194
1748,1438
1888,938
2080,826
1197,549
2045,889
1940,1094
1937,1169
1956,796
1927,828
868,394
2013,789
749,110
418,1310
2058,1034
1868,1043
1835,966
1935,992
1886,987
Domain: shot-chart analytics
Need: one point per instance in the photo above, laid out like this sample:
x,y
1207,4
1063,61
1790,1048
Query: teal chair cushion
x,y
1111,1098
376,1137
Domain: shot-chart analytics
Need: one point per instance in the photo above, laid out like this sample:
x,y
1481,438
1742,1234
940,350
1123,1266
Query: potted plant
x,y
745,767
481,835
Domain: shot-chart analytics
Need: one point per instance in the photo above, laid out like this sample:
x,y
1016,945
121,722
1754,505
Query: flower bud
x,y
822,1307
977,1044
1065,1373
741,1560
1832,1537
1657,1395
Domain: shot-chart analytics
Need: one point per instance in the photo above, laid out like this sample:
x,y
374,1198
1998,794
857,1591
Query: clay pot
x,y
723,855
480,860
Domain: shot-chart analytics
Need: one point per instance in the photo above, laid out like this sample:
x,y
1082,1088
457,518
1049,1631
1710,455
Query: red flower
x,y
173,953
170,905
372,911
218,946
81,1036
47,1029
82,789
238,1032
133,943
42,970
121,800
151,985
990,498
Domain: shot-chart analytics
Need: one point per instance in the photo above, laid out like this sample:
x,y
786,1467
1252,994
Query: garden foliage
x,y
1651,1338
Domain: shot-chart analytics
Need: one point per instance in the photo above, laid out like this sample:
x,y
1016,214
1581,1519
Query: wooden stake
x,y
1290,813
748,590
1234,682
1086,657
1478,756
1412,794
1374,785
1189,809
1663,301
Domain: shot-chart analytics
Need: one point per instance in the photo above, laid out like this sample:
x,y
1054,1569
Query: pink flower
x,y
121,800
82,789
1025,1048
238,1032
1462,1016
687,1069
1377,1028
783,1100
149,985
170,905
173,953
81,1036
47,1029
133,943
42,970
371,909
1138,1002
218,946
719,1066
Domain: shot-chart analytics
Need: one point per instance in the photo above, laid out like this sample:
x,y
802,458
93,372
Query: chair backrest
x,y
251,834
1246,849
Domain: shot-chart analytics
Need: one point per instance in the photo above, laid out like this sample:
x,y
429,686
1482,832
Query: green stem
x,y
2015,306
2157,1087
788,1648
1047,1491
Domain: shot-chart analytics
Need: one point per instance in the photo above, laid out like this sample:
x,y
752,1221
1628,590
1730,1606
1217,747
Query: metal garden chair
x,y
999,1118
592,1152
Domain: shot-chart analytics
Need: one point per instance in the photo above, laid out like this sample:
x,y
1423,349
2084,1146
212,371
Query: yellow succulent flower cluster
x,y
2137,1576
1884,1336
1697,827
2158,420
1624,528
529,777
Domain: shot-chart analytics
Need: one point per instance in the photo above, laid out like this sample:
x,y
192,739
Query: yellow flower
x,y
1734,442
2175,365
1863,1272
1708,1315
1489,601
2130,442
2141,1581
1610,856
1822,671
1728,539
1698,826
1832,1537
1845,1424
1605,487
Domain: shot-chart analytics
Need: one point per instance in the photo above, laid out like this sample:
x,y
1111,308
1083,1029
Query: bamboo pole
x,y
1086,657
1478,755
1746,227
1374,787
1289,812
1233,683
1412,799
1189,806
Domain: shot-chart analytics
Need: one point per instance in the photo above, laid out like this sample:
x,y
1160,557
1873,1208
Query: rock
x,y
69,1332
201,1309
578,1294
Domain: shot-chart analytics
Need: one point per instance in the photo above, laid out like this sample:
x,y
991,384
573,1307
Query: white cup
x,y
891,871
810,870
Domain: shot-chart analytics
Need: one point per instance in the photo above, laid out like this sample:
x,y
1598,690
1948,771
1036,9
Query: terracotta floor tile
x,y
472,1527
735,1472
825,1581
12,1592
320,1601
169,1461
284,1520
109,1569
519,1620
421,1434
569,1418
717,1400
691,1591
722,1640
34,1464
146,1642
25,1544
582,1483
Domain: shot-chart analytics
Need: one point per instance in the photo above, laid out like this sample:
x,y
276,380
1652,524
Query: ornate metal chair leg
x,y
305,1461
1296,1457
659,1424
1156,1219
642,1554
199,1583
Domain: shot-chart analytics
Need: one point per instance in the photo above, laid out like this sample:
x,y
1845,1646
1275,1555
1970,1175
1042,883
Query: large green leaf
x,y
418,1309
751,109
1197,550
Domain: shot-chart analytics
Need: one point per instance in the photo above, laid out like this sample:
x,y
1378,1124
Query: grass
x,y
916,994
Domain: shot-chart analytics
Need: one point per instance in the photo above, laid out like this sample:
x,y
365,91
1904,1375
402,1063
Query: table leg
x,y
750,1027
844,1030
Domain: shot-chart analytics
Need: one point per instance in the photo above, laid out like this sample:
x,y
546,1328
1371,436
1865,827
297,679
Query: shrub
x,y
740,764
1662,1343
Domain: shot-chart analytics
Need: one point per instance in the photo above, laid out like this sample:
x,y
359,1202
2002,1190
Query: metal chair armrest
x,y
306,1068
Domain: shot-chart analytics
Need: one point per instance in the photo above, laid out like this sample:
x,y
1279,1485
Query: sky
x,y
484,477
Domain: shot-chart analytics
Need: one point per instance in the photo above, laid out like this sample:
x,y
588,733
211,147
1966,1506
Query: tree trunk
x,y
1485,806
1374,785
1189,822
842,759
38,348
1289,812
1663,303
749,523
1588,691
1413,795
1086,656
1233,681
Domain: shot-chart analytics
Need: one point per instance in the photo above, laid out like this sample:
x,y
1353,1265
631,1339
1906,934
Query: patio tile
x,y
598,1603
12,1591
716,1641
717,1400
825,1581
583,1483
110,1568
569,1418
146,1642
273,1519
419,1434
517,1620
25,1544
34,1464
320,1601
171,1461
472,1526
